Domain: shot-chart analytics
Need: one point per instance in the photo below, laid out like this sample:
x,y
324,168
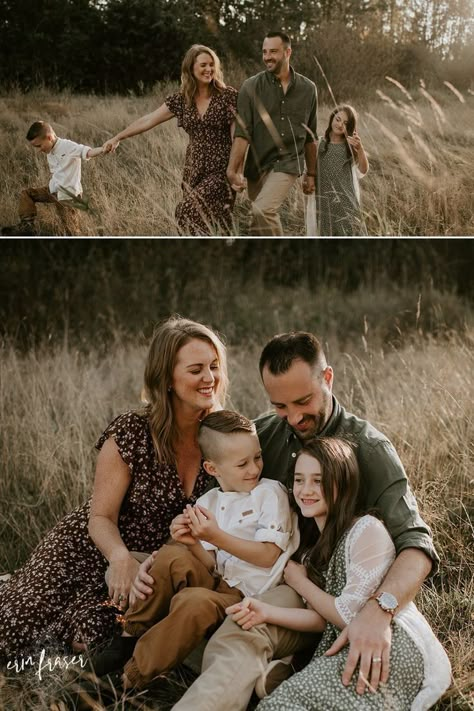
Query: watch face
x,y
388,601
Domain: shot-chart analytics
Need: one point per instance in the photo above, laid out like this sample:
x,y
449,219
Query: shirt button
x,y
293,454
222,508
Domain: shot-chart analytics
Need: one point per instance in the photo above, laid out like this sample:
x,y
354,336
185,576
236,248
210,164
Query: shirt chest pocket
x,y
246,518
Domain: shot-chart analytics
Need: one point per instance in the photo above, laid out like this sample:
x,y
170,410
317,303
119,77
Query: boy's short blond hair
x,y
219,423
38,129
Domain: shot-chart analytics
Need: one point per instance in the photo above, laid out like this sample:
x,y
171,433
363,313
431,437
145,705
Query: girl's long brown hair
x,y
351,127
168,338
340,486
188,81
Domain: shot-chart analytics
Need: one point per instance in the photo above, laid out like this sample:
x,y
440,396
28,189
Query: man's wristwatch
x,y
386,601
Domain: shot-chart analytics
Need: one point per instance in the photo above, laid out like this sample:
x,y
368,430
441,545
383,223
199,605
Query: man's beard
x,y
317,422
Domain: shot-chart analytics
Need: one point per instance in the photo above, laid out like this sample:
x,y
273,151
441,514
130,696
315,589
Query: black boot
x,y
114,657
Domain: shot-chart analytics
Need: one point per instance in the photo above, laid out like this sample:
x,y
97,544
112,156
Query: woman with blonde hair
x,y
205,107
148,469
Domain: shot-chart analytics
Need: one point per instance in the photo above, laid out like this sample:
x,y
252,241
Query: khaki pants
x,y
267,195
234,658
186,604
68,215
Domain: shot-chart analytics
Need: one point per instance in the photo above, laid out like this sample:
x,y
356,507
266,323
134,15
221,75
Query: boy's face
x,y
44,144
239,463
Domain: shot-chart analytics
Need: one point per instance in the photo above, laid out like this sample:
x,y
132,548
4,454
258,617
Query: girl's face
x,y
307,489
203,68
339,124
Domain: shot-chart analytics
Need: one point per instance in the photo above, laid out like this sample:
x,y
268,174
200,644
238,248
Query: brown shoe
x,y
277,671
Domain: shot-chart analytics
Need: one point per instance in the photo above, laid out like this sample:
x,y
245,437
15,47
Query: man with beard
x,y
299,382
276,116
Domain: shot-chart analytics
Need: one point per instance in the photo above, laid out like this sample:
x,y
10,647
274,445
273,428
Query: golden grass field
x,y
56,400
420,147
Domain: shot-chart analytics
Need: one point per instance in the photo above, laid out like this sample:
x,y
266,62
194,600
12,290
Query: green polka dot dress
x,y
318,687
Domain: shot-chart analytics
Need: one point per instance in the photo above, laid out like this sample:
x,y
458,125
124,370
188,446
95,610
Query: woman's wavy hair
x,y
188,80
340,488
168,338
351,127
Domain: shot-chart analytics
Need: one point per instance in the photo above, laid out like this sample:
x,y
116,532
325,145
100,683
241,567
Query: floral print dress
x,y
208,199
60,595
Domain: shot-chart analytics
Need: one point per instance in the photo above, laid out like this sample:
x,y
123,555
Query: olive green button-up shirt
x,y
383,484
276,124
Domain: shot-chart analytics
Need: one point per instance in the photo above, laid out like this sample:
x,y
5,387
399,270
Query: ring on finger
x,y
121,597
376,660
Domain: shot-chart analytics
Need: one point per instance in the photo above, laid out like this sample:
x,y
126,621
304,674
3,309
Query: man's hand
x,y
308,184
141,586
294,574
202,524
237,181
370,637
110,146
248,613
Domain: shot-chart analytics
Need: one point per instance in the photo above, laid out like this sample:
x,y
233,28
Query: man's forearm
x,y
310,156
406,576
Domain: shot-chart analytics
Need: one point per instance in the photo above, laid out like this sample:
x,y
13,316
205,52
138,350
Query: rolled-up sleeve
x,y
275,520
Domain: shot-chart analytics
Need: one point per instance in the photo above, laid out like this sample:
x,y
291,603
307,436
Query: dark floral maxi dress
x,y
60,595
208,199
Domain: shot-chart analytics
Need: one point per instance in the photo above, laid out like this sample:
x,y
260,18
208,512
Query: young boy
x,y
234,542
64,159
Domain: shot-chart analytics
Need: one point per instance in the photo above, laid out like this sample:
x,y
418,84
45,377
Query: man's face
x,y
302,396
275,55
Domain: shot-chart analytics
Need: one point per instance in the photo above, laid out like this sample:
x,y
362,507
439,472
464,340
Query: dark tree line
x,y
121,45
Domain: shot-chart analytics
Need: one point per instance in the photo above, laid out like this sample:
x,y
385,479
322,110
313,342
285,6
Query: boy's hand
x,y
180,531
202,523
248,613
294,574
110,146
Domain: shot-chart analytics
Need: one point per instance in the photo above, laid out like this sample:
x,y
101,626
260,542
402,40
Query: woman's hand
x,y
294,574
110,146
120,576
141,586
202,523
249,612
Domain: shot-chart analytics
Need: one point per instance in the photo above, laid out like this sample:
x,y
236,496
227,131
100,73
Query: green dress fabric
x,y
337,208
318,687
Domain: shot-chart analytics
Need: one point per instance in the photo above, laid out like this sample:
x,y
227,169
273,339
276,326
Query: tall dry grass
x,y
55,402
420,148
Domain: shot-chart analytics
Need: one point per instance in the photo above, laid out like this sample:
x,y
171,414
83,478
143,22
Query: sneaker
x,y
25,228
277,671
113,658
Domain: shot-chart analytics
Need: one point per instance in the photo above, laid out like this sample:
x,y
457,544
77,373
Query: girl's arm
x,y
112,480
145,123
252,612
360,156
296,576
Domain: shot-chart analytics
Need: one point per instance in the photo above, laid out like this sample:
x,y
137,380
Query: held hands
x,y
248,613
180,530
370,637
110,146
237,181
308,184
294,574
202,524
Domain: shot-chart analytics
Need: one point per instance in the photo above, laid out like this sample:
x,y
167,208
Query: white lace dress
x,y
419,667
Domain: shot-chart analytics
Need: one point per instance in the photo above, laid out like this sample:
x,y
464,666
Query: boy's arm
x,y
204,526
94,152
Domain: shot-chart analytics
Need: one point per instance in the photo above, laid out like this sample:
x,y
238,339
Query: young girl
x,y
341,162
344,560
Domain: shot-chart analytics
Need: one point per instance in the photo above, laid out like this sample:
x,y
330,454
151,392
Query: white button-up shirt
x,y
65,165
262,514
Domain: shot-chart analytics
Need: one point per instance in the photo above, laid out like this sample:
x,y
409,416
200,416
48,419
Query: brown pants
x,y
68,215
267,194
186,604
